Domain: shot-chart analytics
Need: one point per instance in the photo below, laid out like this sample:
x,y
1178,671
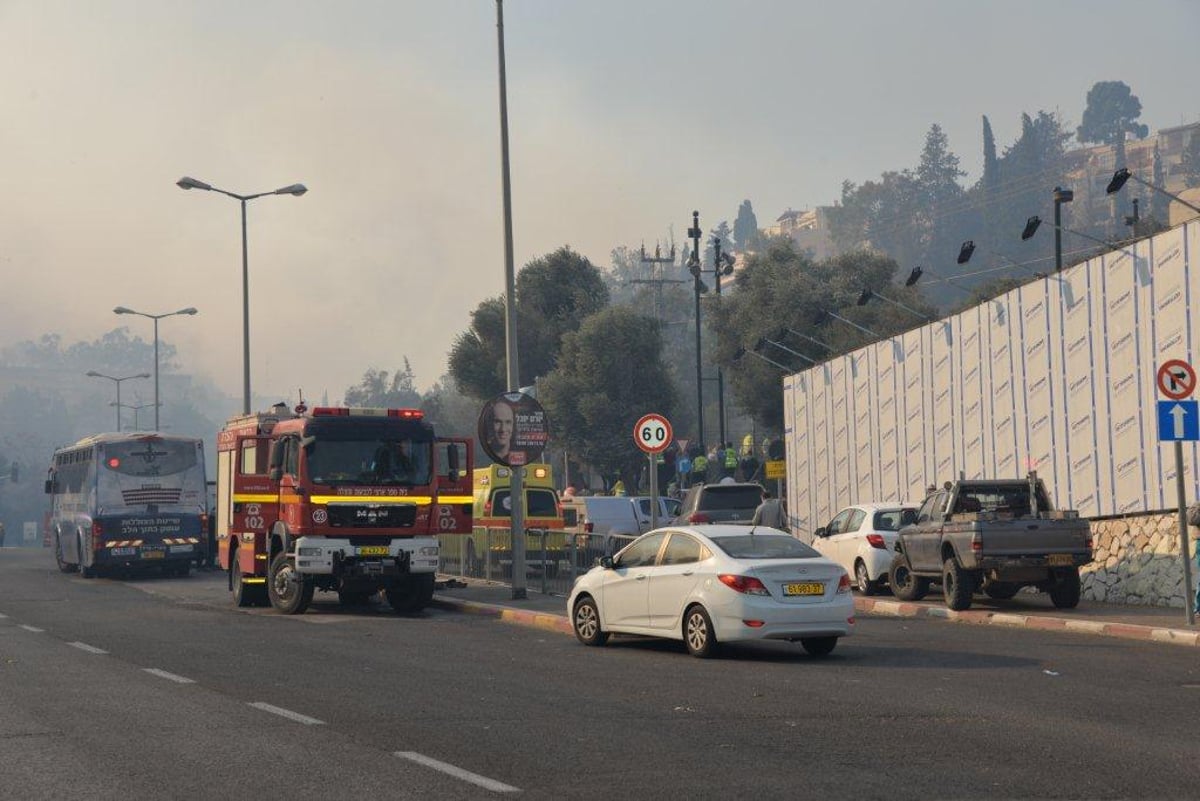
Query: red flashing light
x,y
330,411
407,414
114,463
876,541
747,585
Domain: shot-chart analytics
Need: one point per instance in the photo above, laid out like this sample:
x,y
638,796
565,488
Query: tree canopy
x,y
1112,111
553,293
610,372
377,390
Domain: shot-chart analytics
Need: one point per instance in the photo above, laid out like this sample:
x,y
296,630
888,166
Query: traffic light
x,y
14,473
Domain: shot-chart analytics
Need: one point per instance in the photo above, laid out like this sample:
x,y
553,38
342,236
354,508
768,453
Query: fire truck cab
x,y
339,499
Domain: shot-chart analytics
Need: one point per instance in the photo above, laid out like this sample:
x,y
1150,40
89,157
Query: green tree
x,y
745,227
1112,111
376,389
553,293
782,296
610,372
1190,162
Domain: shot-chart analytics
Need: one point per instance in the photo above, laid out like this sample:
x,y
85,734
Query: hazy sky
x,y
624,116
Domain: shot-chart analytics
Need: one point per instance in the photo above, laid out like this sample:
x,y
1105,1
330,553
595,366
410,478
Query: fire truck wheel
x,y
84,570
245,594
412,595
354,598
289,590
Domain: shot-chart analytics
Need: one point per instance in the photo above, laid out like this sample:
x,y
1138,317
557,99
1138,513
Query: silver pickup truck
x,y
994,536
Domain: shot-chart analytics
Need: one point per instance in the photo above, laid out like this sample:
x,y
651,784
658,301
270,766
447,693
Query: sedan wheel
x,y
698,633
586,622
865,585
818,646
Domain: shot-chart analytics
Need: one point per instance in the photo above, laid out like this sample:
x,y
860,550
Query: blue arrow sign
x,y
1178,420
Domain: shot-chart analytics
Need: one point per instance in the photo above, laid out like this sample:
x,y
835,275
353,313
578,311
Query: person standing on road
x,y
684,468
700,469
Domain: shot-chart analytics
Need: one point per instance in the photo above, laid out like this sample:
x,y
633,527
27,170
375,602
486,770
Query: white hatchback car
x,y
862,539
711,584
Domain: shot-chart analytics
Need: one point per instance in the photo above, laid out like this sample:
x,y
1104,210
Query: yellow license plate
x,y
373,550
153,554
1060,559
804,588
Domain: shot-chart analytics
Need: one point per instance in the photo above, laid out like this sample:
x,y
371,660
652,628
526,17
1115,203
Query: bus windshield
x,y
150,458
383,460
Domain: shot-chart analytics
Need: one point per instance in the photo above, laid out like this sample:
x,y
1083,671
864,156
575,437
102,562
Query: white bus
x,y
128,500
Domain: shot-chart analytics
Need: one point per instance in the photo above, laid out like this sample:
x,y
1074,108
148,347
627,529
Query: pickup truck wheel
x,y
905,585
1066,591
1000,590
957,585
863,580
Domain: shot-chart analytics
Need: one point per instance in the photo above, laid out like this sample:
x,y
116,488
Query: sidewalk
x,y
1152,623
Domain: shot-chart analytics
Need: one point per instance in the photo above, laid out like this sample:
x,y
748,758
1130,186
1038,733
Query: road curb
x,y
508,614
980,617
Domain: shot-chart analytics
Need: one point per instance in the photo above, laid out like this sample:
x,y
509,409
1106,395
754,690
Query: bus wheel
x,y
63,565
289,590
84,570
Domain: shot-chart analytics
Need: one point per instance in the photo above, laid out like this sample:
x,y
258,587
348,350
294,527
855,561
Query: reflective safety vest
x,y
700,464
730,457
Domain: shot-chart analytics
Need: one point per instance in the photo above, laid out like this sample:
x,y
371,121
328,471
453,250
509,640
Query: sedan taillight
x,y
844,584
747,585
876,541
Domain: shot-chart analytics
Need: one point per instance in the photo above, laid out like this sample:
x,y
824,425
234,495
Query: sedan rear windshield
x,y
888,519
730,497
764,546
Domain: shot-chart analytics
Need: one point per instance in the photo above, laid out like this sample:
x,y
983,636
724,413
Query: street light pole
x,y
155,317
718,268
293,189
698,285
1061,196
117,381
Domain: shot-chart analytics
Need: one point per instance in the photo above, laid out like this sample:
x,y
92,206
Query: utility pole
x,y
658,258
694,232
717,267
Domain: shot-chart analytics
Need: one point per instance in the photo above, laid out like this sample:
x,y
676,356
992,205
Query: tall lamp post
x,y
117,381
699,286
722,265
155,317
293,189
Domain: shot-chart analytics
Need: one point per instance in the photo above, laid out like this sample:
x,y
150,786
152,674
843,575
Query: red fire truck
x,y
341,499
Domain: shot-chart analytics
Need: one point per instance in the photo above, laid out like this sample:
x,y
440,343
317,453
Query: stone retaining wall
x,y
1137,561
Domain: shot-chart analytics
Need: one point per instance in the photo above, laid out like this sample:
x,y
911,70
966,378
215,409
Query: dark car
x,y
720,503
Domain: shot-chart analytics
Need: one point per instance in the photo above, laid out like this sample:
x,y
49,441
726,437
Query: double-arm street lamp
x,y
155,317
117,381
293,189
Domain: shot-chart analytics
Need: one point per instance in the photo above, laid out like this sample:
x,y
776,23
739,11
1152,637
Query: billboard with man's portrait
x,y
513,429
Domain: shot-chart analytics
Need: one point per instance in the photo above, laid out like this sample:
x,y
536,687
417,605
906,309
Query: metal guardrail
x,y
553,559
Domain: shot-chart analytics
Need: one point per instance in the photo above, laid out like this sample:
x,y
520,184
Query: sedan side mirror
x,y
821,532
606,562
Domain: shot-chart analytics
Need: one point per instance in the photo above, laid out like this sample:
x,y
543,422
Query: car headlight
x,y
429,550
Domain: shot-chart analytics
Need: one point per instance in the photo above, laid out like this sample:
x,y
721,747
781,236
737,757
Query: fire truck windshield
x,y
344,458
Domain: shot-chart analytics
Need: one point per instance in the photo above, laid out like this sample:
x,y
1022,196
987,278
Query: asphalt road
x,y
157,688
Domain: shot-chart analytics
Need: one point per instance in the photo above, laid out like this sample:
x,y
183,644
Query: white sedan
x,y
710,584
862,539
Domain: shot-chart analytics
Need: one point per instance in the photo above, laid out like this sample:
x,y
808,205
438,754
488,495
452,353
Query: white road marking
x,y
91,649
3,616
162,674
458,773
34,629
287,713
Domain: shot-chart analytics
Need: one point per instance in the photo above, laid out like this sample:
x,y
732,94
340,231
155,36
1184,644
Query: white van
x,y
614,519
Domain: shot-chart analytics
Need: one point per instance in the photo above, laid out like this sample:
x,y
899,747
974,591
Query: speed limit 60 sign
x,y
653,433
